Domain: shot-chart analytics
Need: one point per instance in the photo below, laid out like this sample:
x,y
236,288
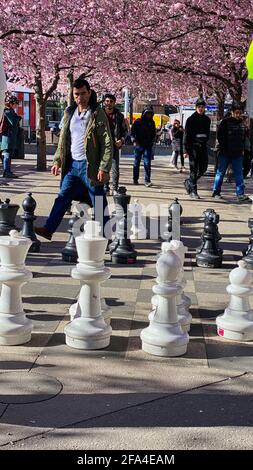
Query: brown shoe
x,y
43,232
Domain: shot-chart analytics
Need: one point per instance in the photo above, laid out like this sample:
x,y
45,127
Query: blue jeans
x,y
222,168
7,156
76,186
147,157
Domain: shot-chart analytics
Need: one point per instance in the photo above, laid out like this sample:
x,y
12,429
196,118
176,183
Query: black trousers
x,y
198,161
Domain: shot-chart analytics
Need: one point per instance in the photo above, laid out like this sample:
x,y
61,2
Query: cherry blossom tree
x,y
150,45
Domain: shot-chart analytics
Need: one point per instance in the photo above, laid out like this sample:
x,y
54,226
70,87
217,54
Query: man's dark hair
x,y
110,96
80,82
200,102
237,106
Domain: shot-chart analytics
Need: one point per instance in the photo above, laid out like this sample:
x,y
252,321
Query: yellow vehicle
x,y
160,119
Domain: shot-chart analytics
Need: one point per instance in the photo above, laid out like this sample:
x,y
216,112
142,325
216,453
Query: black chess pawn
x,y
248,252
8,214
174,205
112,244
124,252
167,232
69,252
218,235
29,206
210,255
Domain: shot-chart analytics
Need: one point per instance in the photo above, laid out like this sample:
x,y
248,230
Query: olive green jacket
x,y
98,144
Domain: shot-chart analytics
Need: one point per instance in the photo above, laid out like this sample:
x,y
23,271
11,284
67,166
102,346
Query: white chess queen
x,y
3,85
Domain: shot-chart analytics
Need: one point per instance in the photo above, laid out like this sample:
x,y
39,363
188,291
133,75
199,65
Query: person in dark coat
x,y
177,135
9,128
118,129
197,131
143,133
231,136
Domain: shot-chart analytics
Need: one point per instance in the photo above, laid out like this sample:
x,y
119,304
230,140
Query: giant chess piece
x,y
8,213
15,328
117,217
205,215
138,229
175,211
124,252
217,234
29,206
167,231
248,252
210,255
75,311
164,335
183,302
236,323
69,252
89,330
75,228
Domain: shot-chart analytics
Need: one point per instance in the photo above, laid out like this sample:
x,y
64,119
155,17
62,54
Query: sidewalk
x,y
55,397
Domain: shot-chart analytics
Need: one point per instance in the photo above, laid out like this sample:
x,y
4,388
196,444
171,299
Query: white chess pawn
x,y
89,330
183,302
75,311
138,229
15,327
236,323
164,335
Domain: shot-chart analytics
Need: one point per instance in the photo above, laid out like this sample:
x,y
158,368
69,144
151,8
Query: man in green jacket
x,y
84,155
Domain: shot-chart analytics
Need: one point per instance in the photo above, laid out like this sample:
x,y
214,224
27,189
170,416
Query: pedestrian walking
x,y
231,137
9,129
197,131
118,129
84,155
247,153
177,134
143,133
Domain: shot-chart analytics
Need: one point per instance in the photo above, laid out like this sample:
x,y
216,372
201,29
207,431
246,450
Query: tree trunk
x,y
70,80
41,101
40,132
220,105
236,93
200,90
131,103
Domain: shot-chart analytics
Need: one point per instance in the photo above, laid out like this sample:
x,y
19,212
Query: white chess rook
x,y
15,328
236,323
164,335
89,330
